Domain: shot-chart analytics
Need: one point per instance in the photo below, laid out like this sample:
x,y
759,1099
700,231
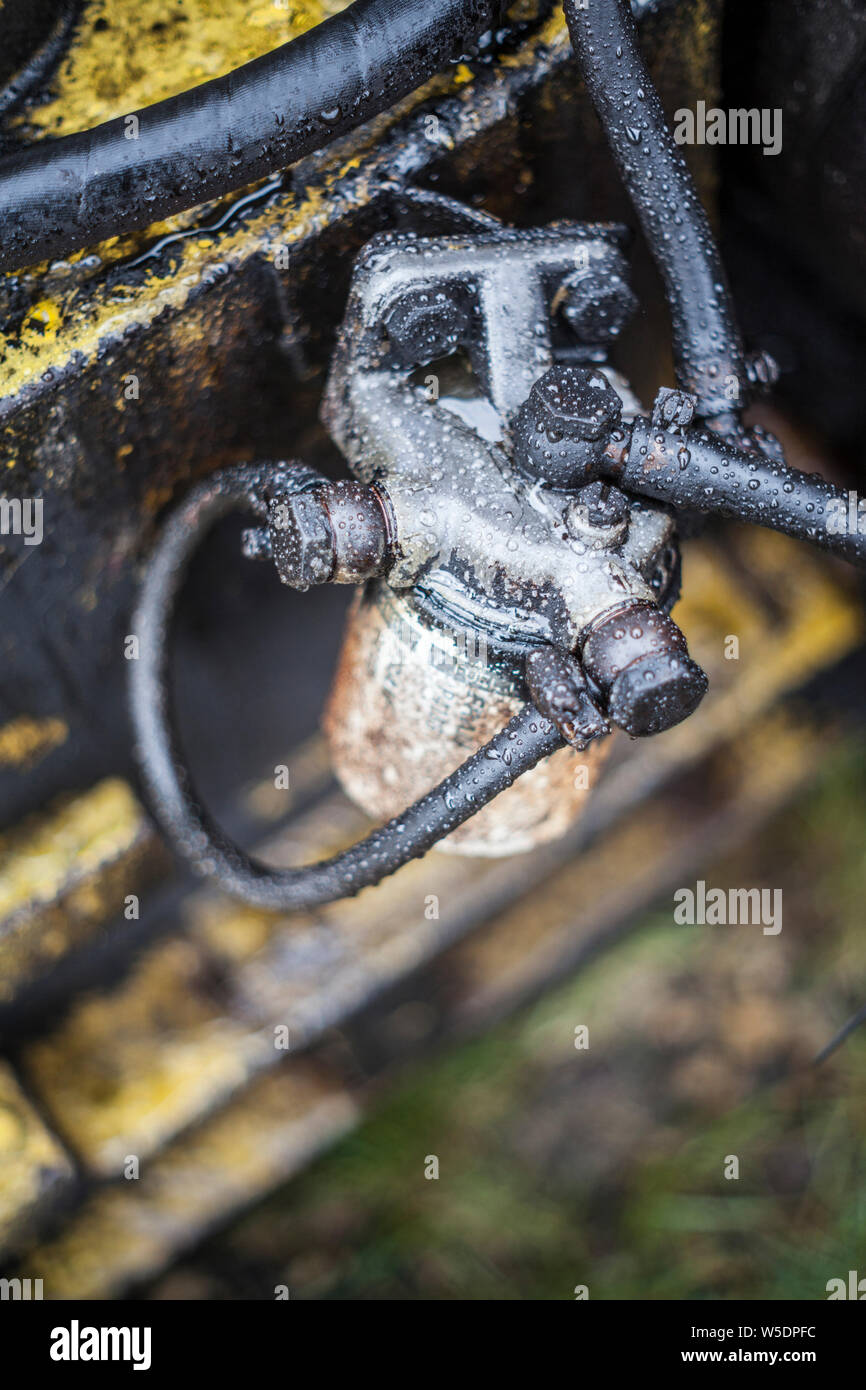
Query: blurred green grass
x,y
605,1167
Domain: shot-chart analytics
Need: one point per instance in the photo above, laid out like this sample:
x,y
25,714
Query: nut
x,y
427,323
563,425
597,305
638,657
599,514
337,534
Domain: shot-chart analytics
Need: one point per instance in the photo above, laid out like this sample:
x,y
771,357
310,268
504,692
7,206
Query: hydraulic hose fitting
x,y
336,534
560,692
639,659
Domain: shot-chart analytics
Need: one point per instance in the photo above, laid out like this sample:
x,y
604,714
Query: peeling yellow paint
x,y
42,320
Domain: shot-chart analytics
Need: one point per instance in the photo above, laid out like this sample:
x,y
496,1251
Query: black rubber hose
x,y
71,192
40,64
706,340
518,747
700,472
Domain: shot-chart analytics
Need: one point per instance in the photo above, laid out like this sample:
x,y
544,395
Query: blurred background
x,y
606,1167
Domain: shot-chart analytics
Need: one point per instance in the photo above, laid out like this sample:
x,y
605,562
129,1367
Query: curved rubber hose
x,y
521,744
706,339
71,192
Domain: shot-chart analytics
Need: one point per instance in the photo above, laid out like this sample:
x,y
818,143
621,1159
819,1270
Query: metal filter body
x,y
412,699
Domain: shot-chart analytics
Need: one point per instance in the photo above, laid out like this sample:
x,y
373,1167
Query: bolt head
x,y
574,403
639,658
301,539
655,693
597,305
425,324
599,514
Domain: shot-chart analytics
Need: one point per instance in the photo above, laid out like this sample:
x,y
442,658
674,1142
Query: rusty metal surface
x,y
436,703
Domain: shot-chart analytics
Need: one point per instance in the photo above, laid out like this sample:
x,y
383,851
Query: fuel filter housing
x,y
412,700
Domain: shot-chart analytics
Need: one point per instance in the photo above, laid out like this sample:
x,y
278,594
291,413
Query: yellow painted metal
x,y
131,1229
63,872
33,1164
24,741
126,56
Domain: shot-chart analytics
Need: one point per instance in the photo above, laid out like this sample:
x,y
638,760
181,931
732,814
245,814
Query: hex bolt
x,y
563,426
427,323
639,659
560,693
335,534
597,305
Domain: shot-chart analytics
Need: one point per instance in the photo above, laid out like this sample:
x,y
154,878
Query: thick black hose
x,y
700,472
707,348
68,193
518,747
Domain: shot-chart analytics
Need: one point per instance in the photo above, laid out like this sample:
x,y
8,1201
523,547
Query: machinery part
x,y
597,307
525,740
560,692
600,516
706,340
129,172
484,547
638,658
494,546
563,426
568,432
490,292
423,326
697,469
436,508
336,533
413,697
473,507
